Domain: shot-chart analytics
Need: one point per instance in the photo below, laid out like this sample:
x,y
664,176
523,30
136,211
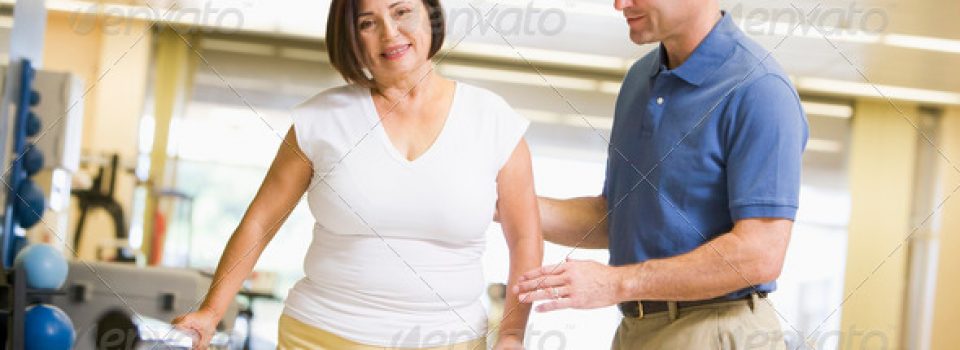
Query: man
x,y
701,190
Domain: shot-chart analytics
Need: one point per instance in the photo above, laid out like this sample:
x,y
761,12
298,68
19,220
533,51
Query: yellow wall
x,y
112,58
946,315
882,157
64,35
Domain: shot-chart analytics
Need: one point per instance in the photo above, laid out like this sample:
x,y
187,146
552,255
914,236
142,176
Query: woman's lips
x,y
396,52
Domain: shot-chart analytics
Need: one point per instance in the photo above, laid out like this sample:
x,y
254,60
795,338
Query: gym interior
x,y
136,133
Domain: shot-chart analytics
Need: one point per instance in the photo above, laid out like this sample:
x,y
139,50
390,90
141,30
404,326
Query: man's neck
x,y
679,47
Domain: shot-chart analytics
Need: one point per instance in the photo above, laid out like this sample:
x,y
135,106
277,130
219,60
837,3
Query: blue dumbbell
x,y
29,204
32,160
48,328
33,124
34,98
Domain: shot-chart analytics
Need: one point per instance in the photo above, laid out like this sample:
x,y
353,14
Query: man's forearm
x,y
580,222
725,264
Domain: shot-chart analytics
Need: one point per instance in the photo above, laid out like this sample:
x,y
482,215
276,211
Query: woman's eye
x,y
365,24
404,12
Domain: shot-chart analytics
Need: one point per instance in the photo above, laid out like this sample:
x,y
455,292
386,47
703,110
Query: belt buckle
x,y
639,310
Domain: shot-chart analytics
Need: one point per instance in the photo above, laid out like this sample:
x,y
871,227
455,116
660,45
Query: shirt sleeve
x,y
301,129
510,128
764,151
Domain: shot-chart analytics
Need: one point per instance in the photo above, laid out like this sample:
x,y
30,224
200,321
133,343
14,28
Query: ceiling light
x,y
517,77
565,58
827,109
237,47
923,43
870,90
825,146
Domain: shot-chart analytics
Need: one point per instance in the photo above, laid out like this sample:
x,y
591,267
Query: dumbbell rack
x,y
9,244
14,299
15,296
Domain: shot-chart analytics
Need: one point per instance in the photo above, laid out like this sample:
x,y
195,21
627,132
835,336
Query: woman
x,y
403,169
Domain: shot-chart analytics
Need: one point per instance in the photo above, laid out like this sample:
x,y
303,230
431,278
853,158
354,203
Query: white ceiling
x,y
872,48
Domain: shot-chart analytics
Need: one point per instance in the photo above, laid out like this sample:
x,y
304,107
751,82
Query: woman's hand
x,y
202,323
509,342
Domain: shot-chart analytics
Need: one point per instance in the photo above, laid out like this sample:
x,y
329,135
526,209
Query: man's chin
x,y
642,38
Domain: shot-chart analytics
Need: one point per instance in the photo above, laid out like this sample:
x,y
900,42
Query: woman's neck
x,y
420,81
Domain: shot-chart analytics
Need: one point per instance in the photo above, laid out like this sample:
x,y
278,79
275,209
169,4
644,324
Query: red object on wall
x,y
159,235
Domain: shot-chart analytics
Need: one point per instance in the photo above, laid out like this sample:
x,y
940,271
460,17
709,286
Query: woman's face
x,y
395,36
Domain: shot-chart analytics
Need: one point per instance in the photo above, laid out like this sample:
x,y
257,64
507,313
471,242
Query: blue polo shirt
x,y
718,139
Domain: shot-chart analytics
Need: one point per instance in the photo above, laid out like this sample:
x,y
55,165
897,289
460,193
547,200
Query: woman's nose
x,y
391,29
622,4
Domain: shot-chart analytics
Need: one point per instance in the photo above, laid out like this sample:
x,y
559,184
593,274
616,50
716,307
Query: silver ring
x,y
556,292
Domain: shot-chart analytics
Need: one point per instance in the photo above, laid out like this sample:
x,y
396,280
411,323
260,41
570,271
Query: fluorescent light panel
x,y
576,120
304,54
825,146
870,90
827,109
923,43
542,55
238,47
523,78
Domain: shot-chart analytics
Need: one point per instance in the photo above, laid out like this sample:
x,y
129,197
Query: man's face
x,y
655,20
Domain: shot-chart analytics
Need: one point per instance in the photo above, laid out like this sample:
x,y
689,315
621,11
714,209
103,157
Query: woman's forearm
x,y
237,262
286,181
525,254
521,228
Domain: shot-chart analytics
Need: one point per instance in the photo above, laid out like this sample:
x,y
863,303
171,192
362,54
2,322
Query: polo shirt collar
x,y
710,54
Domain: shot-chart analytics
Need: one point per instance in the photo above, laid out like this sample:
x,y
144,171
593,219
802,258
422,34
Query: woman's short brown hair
x,y
343,42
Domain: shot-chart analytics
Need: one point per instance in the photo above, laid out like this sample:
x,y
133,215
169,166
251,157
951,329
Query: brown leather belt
x,y
632,309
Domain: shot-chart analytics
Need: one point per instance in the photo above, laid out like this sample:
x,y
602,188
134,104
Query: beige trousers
x,y
731,325
296,335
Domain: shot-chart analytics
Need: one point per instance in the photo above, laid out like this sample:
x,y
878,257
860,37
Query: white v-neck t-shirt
x,y
396,254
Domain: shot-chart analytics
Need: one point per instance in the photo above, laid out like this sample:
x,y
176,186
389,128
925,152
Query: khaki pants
x,y
294,334
731,325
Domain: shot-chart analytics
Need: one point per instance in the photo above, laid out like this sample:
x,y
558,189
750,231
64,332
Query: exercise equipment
x,y
25,201
180,206
28,204
100,195
48,328
17,191
34,125
46,268
33,275
17,304
32,160
160,293
34,98
121,330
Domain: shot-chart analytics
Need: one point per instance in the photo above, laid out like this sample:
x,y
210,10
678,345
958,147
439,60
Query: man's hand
x,y
577,284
